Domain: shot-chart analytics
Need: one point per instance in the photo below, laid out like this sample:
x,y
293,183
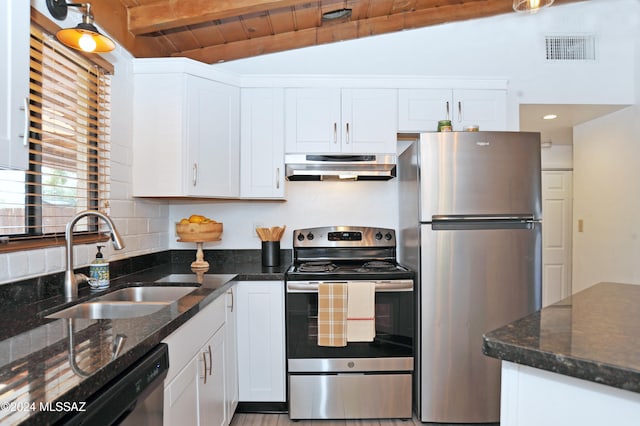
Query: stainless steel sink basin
x,y
109,310
128,302
147,294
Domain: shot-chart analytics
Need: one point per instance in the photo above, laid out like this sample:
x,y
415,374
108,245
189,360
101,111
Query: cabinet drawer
x,y
185,342
350,396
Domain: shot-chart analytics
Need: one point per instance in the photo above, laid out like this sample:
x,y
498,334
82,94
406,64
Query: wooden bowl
x,y
199,232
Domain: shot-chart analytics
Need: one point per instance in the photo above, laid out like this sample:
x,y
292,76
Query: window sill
x,y
46,242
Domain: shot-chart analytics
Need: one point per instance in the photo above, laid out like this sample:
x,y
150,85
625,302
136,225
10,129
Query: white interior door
x,y
557,207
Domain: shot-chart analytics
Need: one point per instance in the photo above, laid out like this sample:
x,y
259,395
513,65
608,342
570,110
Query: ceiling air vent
x,y
570,48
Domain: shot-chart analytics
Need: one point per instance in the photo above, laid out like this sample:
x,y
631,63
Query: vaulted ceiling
x,y
214,31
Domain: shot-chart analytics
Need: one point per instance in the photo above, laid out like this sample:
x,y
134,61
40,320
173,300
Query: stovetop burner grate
x,y
378,265
319,266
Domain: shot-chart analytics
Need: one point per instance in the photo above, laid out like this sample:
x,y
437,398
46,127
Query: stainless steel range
x,y
350,325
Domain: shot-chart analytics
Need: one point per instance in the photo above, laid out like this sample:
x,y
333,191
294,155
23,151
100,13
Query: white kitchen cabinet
x,y
211,384
261,341
262,143
187,136
181,396
200,374
331,120
231,354
531,397
421,109
14,84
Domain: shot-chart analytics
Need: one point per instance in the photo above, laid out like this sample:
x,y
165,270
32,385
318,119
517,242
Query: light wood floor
x,y
257,419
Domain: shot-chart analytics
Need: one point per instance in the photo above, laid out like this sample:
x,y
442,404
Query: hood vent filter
x,y
340,166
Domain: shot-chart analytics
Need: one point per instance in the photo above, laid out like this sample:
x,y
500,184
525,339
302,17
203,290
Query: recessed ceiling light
x,y
550,117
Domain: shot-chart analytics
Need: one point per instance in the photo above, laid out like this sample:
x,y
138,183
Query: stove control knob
x,y
309,236
300,237
378,236
387,236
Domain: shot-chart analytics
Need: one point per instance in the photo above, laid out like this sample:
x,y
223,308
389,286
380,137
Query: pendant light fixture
x,y
530,6
85,36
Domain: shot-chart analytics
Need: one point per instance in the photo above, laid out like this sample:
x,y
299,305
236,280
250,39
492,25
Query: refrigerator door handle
x,y
462,218
461,225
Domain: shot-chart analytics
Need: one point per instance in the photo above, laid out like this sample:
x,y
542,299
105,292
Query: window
x,y
68,147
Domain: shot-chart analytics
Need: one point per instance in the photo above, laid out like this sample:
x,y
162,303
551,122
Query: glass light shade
x,y
530,6
85,37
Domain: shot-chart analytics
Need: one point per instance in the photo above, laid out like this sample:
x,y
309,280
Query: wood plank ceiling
x,y
214,31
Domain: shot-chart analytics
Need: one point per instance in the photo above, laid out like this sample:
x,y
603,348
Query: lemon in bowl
x,y
198,228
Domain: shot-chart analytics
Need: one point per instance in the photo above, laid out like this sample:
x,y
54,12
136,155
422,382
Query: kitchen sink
x,y
166,294
127,302
109,310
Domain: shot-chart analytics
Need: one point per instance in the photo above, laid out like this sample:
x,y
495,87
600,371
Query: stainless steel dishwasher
x,y
135,397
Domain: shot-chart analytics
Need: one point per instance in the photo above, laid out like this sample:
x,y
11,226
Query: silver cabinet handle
x,y
231,305
347,133
25,135
459,111
204,359
195,174
447,110
335,132
277,177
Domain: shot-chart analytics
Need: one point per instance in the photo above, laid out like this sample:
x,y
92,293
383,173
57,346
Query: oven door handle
x,y
381,286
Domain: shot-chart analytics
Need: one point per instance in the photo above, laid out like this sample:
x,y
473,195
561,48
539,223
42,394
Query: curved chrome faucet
x,y
70,283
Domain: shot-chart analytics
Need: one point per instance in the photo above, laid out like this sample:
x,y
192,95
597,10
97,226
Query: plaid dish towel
x,y
332,314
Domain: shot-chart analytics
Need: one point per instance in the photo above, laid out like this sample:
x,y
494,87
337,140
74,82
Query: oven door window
x,y
394,328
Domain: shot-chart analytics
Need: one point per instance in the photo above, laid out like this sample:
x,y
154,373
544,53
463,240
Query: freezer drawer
x,y
350,396
473,280
479,173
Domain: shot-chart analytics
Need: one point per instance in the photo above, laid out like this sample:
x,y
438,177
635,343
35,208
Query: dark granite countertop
x,y
593,335
36,363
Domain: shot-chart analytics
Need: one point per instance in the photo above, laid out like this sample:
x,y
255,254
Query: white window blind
x,y
69,145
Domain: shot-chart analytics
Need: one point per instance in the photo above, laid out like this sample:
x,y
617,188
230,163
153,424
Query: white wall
x,y
557,157
607,192
607,199
308,204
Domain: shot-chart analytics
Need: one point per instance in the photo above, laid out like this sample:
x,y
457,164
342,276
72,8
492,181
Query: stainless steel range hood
x,y
340,166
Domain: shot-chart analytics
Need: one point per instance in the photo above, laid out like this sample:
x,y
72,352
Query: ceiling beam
x,y
344,31
443,13
166,15
111,16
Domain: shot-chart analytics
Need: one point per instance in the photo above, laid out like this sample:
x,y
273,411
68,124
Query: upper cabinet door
x,y
325,120
213,114
262,143
14,84
369,120
485,108
419,110
187,137
312,120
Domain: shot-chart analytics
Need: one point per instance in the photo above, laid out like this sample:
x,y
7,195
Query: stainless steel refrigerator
x,y
470,226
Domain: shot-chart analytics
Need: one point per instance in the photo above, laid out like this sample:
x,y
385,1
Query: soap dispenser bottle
x,y
99,271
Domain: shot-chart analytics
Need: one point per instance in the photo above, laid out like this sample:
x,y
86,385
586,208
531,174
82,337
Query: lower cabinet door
x,y
181,397
261,347
211,381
